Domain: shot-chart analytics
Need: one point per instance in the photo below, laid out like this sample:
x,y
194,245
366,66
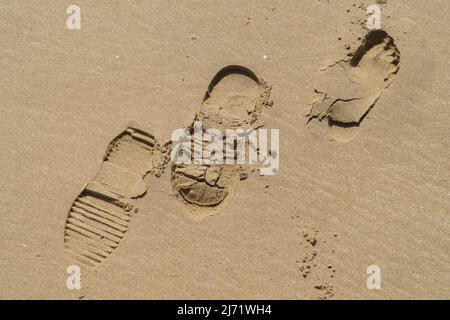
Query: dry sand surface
x,y
86,177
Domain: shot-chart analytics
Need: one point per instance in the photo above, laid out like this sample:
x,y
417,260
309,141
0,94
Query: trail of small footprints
x,y
311,261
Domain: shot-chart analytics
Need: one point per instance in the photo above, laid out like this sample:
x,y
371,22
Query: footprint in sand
x,y
354,87
99,217
234,100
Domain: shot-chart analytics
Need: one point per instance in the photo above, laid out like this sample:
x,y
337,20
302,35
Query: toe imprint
x,y
357,85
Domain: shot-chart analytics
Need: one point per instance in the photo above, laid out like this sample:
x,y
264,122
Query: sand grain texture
x,y
379,195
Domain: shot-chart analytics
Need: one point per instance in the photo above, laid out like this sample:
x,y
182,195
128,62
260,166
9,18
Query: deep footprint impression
x,y
99,217
234,100
355,86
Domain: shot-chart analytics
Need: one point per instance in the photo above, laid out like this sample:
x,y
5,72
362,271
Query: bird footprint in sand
x,y
356,85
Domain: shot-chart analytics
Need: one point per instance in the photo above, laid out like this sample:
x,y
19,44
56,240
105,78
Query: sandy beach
x,y
361,194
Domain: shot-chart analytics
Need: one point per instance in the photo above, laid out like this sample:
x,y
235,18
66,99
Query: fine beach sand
x,y
86,176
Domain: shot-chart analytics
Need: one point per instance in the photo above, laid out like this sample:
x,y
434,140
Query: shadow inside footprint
x,y
354,86
234,100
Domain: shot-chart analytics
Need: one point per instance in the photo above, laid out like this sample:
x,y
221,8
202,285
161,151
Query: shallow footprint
x,y
354,87
99,217
234,100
